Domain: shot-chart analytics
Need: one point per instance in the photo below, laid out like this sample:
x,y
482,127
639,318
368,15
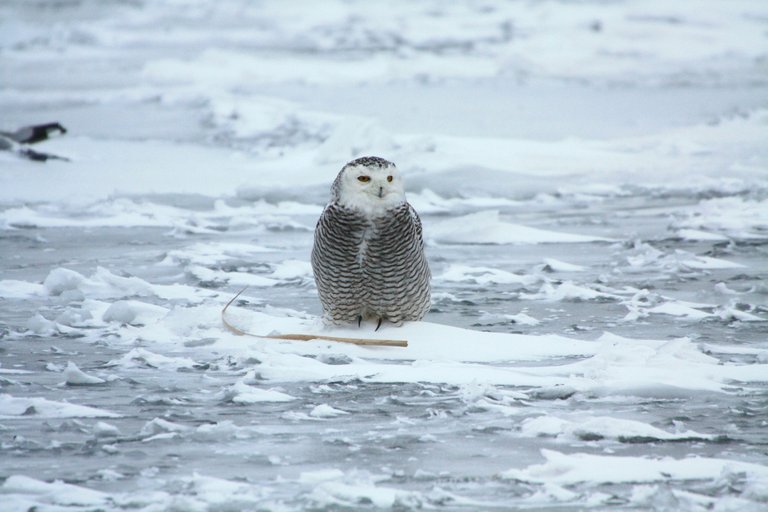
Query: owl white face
x,y
371,187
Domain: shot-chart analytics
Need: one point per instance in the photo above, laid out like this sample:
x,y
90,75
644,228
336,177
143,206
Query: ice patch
x,y
679,309
443,354
523,319
326,411
237,264
216,215
41,326
222,430
214,493
292,269
133,312
221,69
427,201
142,358
704,262
35,408
117,169
235,278
74,376
103,284
242,393
258,117
487,228
13,289
567,469
159,426
569,429
245,391
321,475
25,491
568,291
655,368
643,256
197,493
734,217
730,313
723,289
554,265
354,137
102,429
644,303
427,341
210,254
698,235
359,488
14,371
110,475
484,276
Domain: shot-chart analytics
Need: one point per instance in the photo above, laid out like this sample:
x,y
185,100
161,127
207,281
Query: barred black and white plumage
x,y
368,257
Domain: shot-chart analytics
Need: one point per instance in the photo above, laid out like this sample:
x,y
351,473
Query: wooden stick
x,y
306,337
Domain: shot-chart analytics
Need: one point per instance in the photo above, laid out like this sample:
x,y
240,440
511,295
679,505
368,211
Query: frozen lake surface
x,y
593,182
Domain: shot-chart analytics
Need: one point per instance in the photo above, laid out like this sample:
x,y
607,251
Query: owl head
x,y
369,184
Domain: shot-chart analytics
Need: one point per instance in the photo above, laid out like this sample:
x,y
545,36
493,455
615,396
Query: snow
x,y
592,180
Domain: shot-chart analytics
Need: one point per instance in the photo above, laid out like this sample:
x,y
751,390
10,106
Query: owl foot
x,y
378,324
359,320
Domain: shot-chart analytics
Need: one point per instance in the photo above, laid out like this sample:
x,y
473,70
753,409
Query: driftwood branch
x,y
305,337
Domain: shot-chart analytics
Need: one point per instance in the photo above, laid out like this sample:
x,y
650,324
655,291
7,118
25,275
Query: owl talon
x,y
359,320
378,324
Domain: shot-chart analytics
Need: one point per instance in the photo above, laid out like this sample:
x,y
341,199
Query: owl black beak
x,y
381,192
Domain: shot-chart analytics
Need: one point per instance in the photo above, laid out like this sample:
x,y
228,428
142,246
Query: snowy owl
x,y
368,257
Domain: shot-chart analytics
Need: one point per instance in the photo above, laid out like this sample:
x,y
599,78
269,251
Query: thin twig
x,y
305,337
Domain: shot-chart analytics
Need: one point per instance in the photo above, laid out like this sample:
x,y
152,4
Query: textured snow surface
x,y
592,178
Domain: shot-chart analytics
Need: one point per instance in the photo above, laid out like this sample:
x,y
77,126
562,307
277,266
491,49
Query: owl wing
x,y
338,237
416,221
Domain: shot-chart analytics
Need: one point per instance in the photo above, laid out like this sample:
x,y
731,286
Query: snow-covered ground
x,y
593,182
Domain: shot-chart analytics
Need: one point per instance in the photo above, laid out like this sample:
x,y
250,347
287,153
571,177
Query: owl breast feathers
x,y
368,256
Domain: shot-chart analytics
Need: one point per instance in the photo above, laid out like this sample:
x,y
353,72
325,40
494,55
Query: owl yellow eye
x,y
364,179
389,178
